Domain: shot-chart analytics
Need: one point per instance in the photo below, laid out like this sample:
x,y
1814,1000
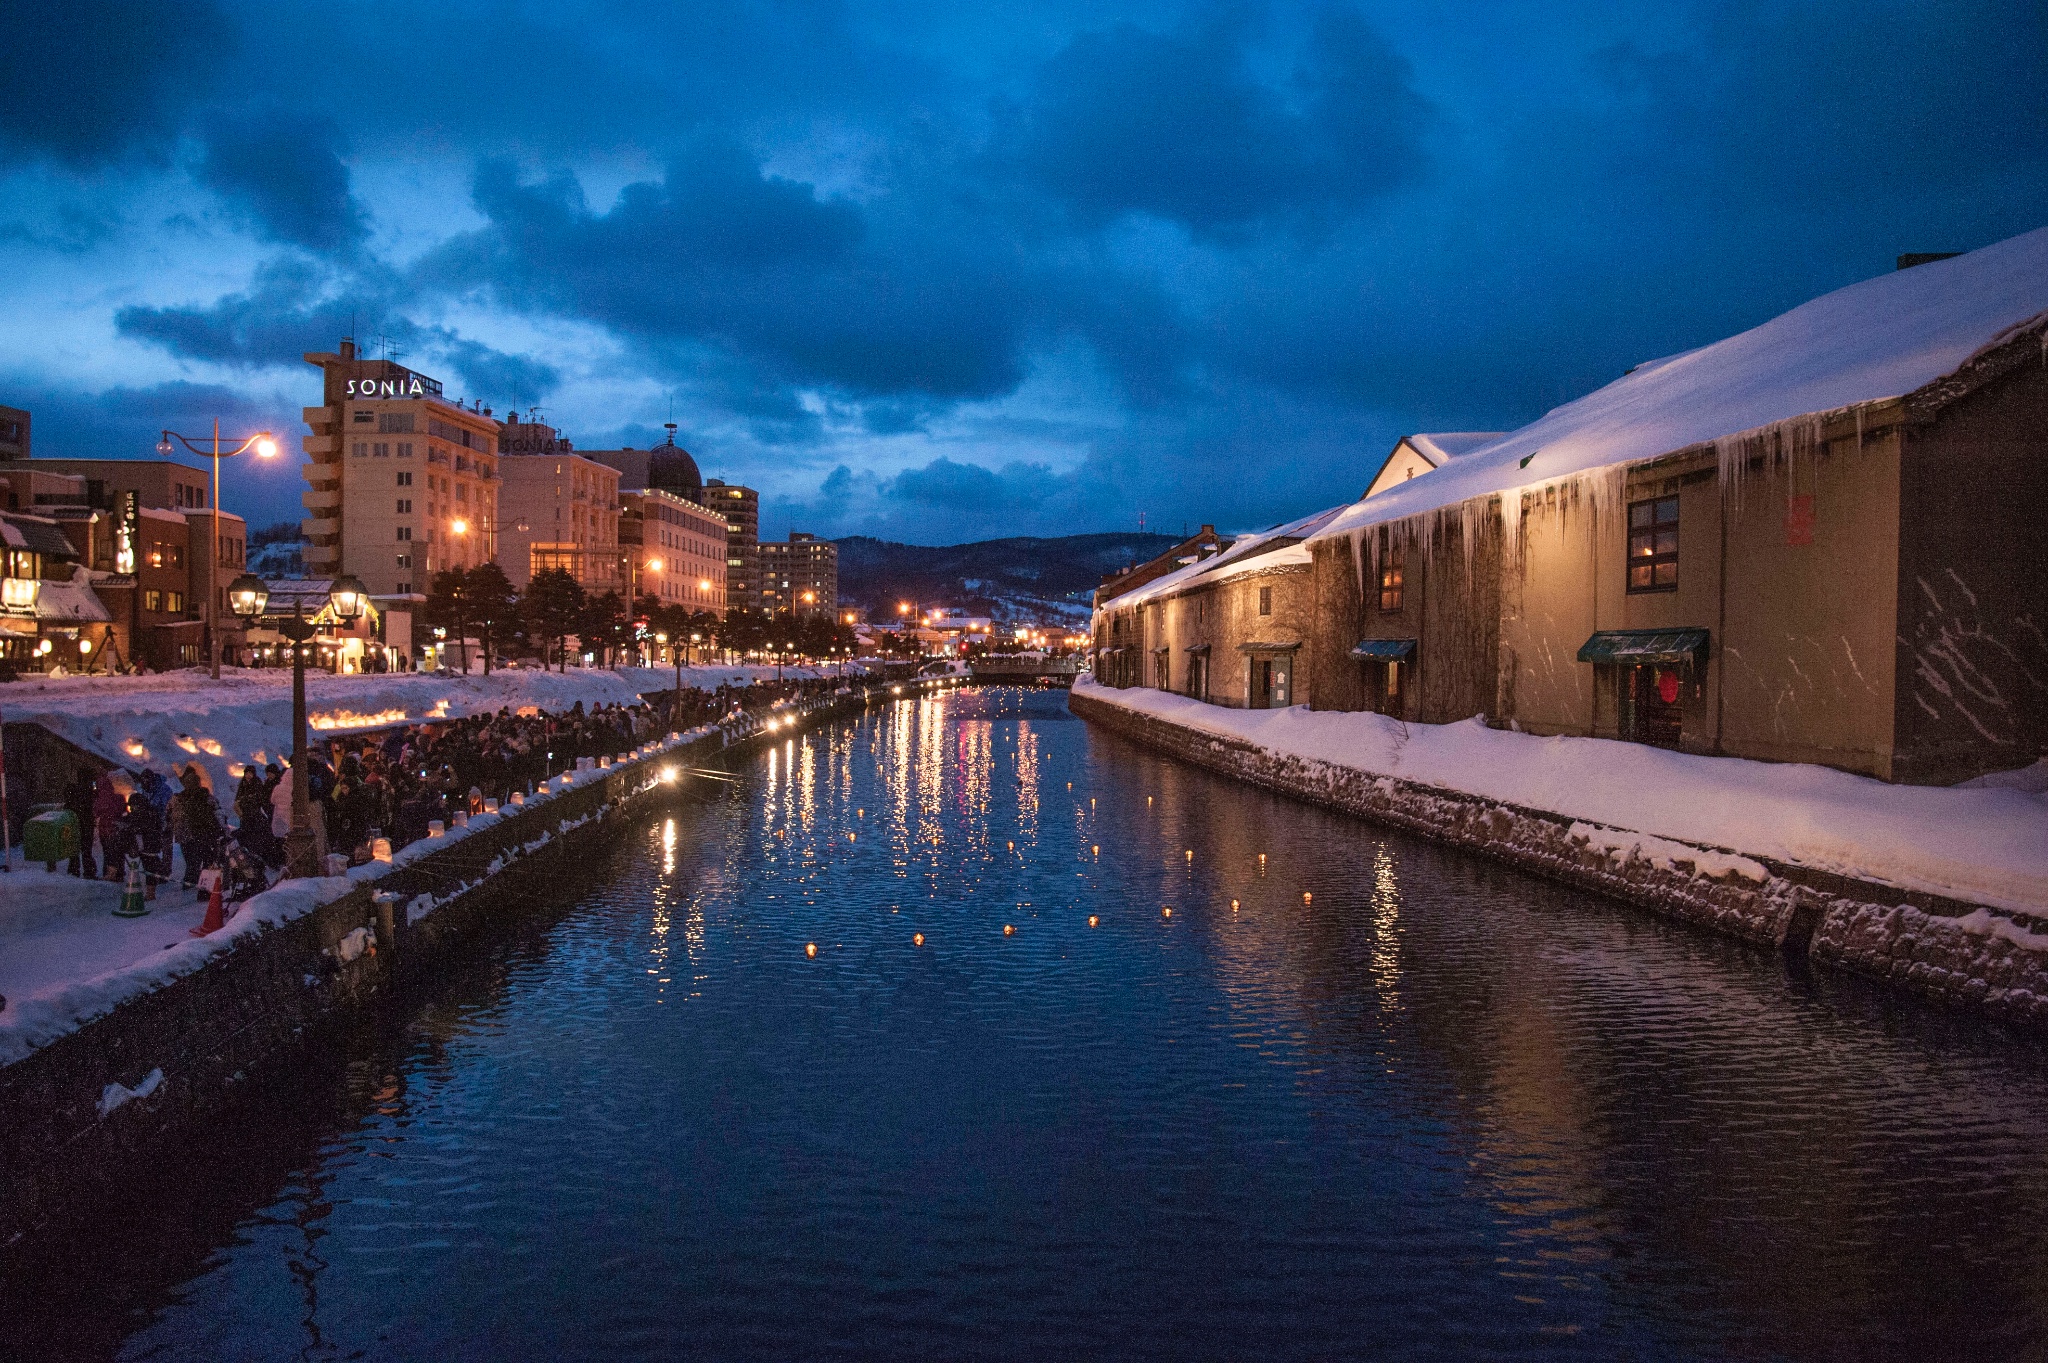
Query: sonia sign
x,y
411,386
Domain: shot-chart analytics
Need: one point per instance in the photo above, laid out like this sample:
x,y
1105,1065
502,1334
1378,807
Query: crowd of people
x,y
392,784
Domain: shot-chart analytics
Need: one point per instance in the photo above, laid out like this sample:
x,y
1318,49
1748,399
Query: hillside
x,y
1008,578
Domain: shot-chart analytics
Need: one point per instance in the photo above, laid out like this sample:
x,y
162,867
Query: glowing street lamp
x,y
250,596
460,526
265,446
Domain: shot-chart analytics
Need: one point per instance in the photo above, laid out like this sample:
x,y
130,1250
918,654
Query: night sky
x,y
941,271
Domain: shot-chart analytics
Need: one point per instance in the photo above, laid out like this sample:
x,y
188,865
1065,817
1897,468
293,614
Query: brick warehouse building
x,y
1778,546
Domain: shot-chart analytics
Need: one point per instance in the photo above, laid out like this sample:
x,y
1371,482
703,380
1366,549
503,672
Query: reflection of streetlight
x,y
266,447
250,595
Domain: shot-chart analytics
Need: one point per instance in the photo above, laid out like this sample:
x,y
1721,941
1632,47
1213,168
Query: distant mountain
x,y
1010,579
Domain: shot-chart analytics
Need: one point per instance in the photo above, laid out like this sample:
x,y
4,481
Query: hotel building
x,y
672,549
402,483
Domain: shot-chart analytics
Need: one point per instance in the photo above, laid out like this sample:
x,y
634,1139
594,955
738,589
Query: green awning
x,y
1384,650
1269,648
1198,648
1643,647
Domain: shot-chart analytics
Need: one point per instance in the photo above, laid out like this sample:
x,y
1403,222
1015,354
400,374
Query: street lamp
x,y
460,526
265,446
249,595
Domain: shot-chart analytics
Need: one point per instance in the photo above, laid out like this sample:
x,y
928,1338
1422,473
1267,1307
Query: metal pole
x,y
213,557
299,842
6,825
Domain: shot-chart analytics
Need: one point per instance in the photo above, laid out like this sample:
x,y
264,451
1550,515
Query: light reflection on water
x,y
1438,1110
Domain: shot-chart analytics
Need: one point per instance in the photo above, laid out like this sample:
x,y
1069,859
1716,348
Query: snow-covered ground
x,y
175,718
65,959
1985,842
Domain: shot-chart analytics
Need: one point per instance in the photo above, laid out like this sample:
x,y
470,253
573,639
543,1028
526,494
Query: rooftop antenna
x,y
671,433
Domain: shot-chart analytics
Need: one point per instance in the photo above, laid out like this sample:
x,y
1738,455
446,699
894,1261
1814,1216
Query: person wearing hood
x,y
157,790
195,825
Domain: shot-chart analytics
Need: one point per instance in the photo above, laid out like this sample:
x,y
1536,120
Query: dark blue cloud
x,y
286,312
1204,259
516,381
886,300
90,83
282,170
124,422
1176,125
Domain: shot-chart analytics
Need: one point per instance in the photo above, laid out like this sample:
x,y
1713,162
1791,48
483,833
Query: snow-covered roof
x,y
1232,560
71,602
1882,338
40,534
1440,447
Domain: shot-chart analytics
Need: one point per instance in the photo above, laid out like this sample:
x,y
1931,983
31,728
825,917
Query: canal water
x,y
1356,1095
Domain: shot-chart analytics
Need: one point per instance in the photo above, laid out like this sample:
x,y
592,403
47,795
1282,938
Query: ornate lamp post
x,y
248,596
266,447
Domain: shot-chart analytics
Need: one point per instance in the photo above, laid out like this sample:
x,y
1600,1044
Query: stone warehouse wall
x,y
1939,949
250,1009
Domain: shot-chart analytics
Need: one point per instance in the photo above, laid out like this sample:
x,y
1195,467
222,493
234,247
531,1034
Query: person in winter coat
x,y
141,834
195,825
107,809
252,809
241,873
152,784
81,797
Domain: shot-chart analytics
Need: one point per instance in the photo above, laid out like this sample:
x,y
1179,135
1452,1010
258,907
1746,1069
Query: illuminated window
x,y
1653,545
1391,569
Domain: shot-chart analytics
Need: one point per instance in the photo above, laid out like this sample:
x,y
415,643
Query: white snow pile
x,y
1983,845
1882,338
119,1095
65,959
175,718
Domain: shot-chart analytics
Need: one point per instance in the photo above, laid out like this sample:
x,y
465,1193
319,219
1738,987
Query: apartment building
x,y
402,482
799,576
119,512
560,510
741,507
672,549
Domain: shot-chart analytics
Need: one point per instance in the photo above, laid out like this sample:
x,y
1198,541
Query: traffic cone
x,y
214,917
133,894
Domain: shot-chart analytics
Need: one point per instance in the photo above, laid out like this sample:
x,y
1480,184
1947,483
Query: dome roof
x,y
670,468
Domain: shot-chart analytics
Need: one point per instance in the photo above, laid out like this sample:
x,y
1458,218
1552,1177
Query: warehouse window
x,y
1653,545
1391,569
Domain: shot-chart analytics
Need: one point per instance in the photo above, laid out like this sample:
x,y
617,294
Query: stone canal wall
x,y
1991,960
119,1095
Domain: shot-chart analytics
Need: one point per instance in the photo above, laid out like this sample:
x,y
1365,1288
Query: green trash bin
x,y
50,837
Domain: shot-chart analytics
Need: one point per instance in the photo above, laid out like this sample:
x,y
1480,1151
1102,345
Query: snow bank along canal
x,y
1356,1094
